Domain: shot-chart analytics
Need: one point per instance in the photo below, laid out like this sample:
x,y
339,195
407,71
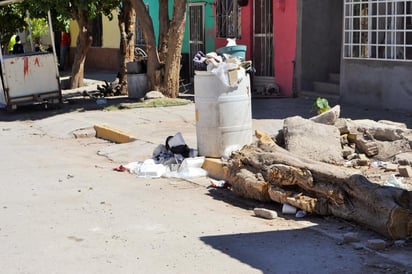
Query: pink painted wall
x,y
247,29
285,24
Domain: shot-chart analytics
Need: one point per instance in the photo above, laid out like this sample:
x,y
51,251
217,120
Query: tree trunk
x,y
127,27
84,42
163,66
153,62
170,86
319,188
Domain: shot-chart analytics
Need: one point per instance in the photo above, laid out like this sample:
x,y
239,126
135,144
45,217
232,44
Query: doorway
x,y
263,48
196,33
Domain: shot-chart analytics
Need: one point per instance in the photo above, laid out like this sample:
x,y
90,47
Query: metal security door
x,y
196,32
263,43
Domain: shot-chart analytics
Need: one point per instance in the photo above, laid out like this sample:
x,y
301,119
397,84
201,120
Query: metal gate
x,y
263,47
196,32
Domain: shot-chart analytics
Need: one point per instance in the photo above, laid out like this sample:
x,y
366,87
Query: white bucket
x,y
223,115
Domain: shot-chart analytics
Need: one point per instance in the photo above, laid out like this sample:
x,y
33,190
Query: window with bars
x,y
228,19
378,29
139,38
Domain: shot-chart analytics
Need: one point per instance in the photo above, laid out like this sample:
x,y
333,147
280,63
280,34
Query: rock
x,y
370,148
154,95
265,213
405,171
388,149
391,167
392,123
342,125
376,244
351,237
329,117
399,243
379,131
404,158
347,151
313,140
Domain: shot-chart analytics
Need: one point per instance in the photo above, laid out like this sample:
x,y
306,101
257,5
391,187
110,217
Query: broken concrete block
x,y
362,162
405,171
392,123
342,125
388,149
351,237
84,133
376,244
328,117
404,158
265,213
313,140
352,156
363,157
379,131
347,151
370,148
391,167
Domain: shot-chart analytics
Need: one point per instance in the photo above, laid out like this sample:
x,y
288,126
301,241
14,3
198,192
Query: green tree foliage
x,y
83,12
11,19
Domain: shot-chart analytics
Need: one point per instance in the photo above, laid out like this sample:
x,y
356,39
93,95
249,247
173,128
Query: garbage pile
x,y
229,66
174,159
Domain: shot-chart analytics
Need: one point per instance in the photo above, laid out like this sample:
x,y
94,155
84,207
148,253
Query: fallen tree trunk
x,y
268,172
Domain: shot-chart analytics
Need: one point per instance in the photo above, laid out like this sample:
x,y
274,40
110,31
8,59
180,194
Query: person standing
x,y
18,46
64,49
11,43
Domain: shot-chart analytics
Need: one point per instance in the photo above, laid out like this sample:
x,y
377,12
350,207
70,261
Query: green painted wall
x,y
209,23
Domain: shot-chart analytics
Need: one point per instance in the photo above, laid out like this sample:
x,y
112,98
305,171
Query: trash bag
x,y
177,147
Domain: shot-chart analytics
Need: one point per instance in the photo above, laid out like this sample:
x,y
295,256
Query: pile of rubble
x,y
359,170
379,150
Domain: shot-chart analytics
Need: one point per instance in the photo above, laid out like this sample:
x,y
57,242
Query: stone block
x,y
376,244
391,167
351,237
265,213
316,141
405,171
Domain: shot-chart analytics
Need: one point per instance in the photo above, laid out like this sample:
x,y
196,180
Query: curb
x,y
112,134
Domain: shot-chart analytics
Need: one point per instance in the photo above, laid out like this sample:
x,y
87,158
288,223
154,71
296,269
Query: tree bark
x,y
127,27
163,66
320,188
84,42
153,62
174,47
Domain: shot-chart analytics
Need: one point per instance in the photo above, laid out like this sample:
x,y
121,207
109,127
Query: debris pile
x,y
358,170
173,159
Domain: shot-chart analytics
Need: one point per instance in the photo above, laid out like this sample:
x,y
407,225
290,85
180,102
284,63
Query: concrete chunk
x,y
376,244
265,213
405,171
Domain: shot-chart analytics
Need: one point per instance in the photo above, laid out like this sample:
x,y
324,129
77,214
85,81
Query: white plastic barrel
x,y
223,115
